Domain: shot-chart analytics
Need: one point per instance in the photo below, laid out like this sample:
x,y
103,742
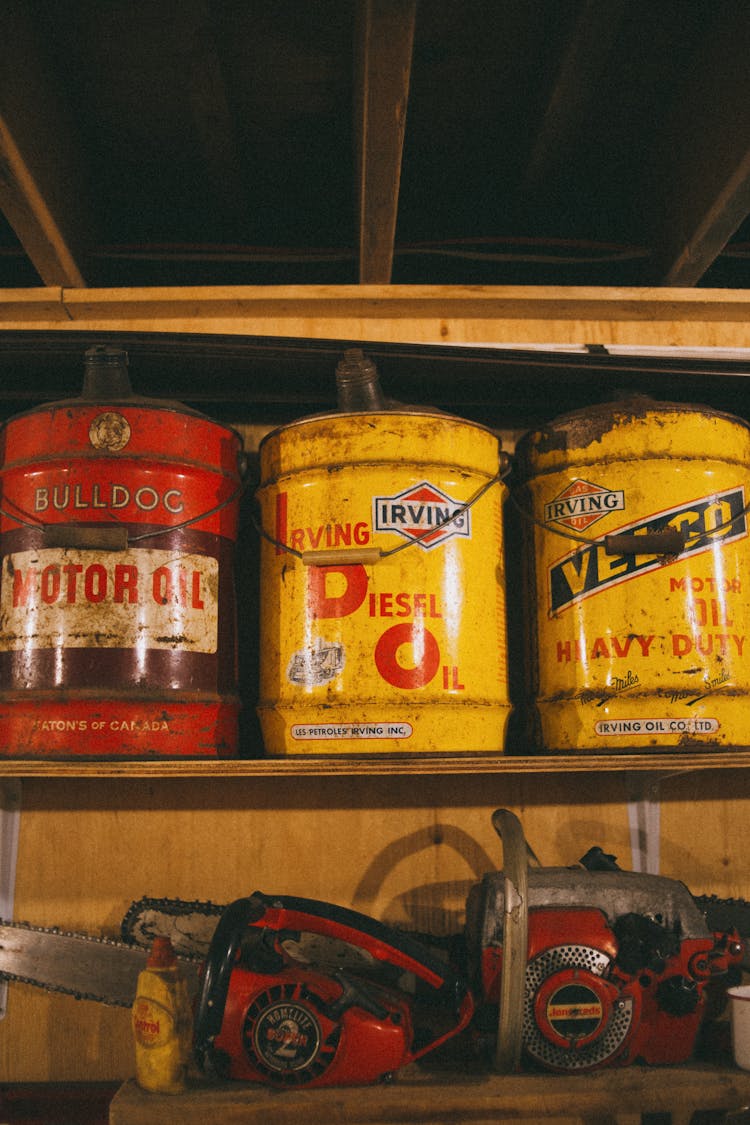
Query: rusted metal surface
x,y
636,562
582,429
400,650
117,615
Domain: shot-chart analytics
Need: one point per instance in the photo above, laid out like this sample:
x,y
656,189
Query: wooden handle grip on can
x,y
342,556
107,537
670,541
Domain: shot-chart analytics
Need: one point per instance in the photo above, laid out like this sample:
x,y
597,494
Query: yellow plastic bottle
x,y
162,1022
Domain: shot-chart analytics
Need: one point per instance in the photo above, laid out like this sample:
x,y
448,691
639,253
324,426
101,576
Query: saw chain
x,y
105,969
188,925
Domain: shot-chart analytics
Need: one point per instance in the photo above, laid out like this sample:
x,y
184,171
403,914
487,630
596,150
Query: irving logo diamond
x,y
581,503
422,513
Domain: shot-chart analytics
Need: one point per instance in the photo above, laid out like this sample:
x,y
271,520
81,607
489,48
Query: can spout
x,y
105,373
358,383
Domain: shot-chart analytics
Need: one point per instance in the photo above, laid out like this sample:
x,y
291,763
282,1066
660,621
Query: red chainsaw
x,y
296,991
591,966
568,969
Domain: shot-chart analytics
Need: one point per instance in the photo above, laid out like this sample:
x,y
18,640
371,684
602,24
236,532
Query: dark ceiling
x,y
494,142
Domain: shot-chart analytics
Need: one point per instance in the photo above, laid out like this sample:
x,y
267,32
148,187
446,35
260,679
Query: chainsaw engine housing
x,y
291,1028
298,992
619,966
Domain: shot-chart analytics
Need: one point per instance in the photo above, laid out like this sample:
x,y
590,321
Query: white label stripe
x,y
335,731
139,599
621,728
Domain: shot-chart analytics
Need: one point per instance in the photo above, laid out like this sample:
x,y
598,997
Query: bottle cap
x,y
162,955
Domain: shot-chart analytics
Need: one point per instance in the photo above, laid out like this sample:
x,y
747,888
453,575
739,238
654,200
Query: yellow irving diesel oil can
x,y
383,625
637,573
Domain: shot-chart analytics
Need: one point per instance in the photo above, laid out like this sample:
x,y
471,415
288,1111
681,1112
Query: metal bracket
x,y
10,820
644,818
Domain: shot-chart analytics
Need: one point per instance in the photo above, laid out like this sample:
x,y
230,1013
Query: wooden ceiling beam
x,y
39,193
385,38
582,64
705,235
209,105
700,186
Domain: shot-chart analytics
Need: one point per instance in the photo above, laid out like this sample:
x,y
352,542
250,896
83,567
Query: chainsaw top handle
x,y
217,969
288,913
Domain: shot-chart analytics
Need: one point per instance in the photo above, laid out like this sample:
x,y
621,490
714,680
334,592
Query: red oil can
x,y
118,523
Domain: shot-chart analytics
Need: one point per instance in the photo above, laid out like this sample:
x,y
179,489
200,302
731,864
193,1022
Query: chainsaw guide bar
x,y
78,965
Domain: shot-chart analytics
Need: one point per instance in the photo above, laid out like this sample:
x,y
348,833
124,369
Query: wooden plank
x,y
429,765
209,104
427,314
583,61
698,179
409,302
515,941
716,218
385,36
618,1096
30,306
471,315
39,191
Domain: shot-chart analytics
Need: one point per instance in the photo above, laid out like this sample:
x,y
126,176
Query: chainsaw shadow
x,y
438,907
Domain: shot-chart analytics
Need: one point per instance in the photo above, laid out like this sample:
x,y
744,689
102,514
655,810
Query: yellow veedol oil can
x,y
637,574
382,585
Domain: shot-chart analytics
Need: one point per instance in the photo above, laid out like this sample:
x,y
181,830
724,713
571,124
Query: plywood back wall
x,y
403,849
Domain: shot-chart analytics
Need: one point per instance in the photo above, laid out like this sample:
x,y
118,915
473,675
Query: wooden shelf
x,y
440,314
607,1095
678,761
87,846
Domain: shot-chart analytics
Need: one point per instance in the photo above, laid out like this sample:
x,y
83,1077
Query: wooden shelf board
x,y
612,1095
678,761
441,314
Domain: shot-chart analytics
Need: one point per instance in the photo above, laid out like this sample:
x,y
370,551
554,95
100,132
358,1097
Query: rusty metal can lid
x,y
601,429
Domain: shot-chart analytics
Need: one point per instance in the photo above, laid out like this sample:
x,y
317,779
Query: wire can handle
x,y
367,556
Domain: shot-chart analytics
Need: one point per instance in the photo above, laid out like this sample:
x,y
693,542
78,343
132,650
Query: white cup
x,y
740,1014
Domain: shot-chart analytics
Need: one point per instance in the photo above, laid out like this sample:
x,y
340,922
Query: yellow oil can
x,y
383,624
637,578
162,1022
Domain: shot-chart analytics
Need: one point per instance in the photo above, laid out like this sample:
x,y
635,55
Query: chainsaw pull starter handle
x,y
353,994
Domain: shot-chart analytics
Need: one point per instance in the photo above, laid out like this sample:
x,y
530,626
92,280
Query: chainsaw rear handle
x,y
284,913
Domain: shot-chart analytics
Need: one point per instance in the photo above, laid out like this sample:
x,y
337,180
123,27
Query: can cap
x,y
162,955
105,373
358,383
